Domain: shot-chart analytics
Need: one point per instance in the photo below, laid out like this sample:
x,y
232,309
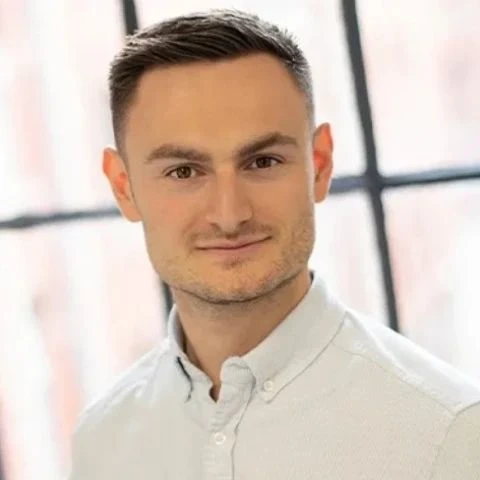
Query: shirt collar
x,y
175,338
289,348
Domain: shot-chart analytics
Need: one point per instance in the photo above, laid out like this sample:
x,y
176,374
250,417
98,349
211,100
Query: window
x,y
397,238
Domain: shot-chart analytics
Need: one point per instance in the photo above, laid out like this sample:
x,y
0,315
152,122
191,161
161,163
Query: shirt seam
x,y
447,431
335,332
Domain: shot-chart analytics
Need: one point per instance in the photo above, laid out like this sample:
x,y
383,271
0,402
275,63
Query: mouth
x,y
242,249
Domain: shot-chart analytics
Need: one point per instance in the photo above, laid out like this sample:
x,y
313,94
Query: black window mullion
x,y
433,176
373,177
130,18
35,220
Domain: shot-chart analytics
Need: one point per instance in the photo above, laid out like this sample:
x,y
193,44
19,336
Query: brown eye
x,y
263,162
181,173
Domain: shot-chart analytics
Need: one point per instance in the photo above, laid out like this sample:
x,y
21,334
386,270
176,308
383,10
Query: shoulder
x,y
128,390
131,402
398,361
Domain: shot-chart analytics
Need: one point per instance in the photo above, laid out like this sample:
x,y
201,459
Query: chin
x,y
236,286
219,297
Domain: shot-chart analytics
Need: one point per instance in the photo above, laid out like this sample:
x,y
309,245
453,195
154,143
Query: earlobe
x,y
114,169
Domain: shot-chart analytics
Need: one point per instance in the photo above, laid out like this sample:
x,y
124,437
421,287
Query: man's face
x,y
221,154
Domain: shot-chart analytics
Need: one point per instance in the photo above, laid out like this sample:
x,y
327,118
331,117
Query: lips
x,y
231,245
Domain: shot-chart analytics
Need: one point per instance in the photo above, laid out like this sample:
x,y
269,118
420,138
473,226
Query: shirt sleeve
x,y
459,455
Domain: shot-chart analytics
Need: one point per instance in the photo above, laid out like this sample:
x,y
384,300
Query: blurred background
x,y
398,239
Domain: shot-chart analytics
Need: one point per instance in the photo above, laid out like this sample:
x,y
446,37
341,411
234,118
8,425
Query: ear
x,y
323,162
114,169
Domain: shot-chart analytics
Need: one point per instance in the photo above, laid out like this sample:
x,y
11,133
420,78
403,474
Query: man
x,y
263,374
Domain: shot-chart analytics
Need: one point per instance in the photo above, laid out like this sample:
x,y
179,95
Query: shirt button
x,y
268,386
219,438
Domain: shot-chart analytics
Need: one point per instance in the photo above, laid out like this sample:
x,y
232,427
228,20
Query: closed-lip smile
x,y
226,245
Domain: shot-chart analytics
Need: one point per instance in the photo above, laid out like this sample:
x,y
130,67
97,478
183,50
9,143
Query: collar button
x,y
268,386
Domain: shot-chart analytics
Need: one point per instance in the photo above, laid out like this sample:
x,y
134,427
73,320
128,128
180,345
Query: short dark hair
x,y
213,35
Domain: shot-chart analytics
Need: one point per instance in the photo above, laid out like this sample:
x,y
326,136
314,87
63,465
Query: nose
x,y
229,204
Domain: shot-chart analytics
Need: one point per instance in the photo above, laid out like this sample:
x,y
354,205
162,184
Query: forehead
x,y
219,102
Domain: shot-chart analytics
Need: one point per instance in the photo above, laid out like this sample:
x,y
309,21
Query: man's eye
x,y
263,162
181,173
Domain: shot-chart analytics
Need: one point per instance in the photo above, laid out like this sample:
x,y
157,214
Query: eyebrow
x,y
171,150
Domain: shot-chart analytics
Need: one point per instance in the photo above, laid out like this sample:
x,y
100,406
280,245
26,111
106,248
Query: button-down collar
x,y
283,354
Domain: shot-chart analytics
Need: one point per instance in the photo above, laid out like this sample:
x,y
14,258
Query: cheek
x,y
169,221
292,193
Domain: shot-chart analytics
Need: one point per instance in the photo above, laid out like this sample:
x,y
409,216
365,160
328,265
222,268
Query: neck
x,y
214,333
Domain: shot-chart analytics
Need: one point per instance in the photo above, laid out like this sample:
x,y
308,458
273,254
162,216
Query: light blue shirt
x,y
327,395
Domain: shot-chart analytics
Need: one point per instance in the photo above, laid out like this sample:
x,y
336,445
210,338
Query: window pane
x,y
54,116
79,303
435,237
423,74
346,255
319,29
